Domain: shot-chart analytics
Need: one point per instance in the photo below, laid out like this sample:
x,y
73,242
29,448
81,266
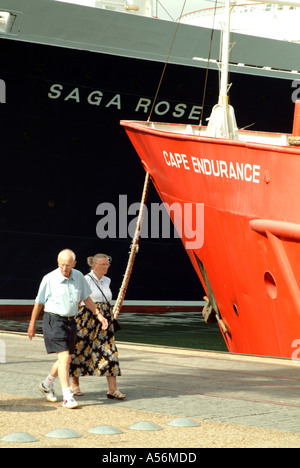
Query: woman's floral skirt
x,y
96,352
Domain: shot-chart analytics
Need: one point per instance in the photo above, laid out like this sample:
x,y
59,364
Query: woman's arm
x,y
92,306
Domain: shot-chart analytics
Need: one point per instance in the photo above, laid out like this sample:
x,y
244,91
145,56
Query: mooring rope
x,y
134,248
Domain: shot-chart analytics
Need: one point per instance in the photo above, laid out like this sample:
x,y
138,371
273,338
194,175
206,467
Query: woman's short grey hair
x,y
95,258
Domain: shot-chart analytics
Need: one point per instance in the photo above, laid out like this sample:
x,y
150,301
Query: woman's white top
x,y
103,283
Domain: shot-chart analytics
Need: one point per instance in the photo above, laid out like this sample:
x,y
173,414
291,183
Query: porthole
x,y
270,284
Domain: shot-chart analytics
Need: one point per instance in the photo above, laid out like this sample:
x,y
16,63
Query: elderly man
x,y
59,293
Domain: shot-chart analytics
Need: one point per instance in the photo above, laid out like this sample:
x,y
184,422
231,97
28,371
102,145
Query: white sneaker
x,y
70,403
48,392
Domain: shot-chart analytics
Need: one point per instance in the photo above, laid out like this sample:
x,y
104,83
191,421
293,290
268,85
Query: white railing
x,y
263,20
140,7
240,9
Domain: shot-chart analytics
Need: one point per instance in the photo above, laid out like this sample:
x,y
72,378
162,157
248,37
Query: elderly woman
x,y
96,352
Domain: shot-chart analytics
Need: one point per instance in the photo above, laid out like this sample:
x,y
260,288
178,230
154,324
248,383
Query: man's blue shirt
x,y
61,295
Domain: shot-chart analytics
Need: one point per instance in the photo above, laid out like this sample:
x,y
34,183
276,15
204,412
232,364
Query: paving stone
x,y
63,434
182,422
145,426
19,437
108,430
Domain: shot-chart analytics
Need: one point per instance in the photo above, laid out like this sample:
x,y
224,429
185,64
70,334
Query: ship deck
x,y
182,131
237,400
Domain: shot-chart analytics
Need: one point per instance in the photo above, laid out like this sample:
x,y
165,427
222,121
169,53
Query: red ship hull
x,y
249,263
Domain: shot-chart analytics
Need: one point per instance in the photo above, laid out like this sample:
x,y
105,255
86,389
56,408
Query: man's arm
x,y
34,316
92,306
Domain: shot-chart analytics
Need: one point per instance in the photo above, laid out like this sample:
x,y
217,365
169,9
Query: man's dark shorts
x,y
59,333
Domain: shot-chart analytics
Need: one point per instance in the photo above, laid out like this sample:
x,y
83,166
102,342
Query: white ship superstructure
x,y
271,21
137,7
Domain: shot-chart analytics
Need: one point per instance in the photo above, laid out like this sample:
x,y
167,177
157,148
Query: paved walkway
x,y
206,386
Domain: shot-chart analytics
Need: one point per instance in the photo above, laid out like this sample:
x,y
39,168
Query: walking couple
x,y
82,339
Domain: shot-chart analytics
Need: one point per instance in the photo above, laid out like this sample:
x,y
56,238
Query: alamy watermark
x,y
120,221
296,353
2,352
2,92
296,93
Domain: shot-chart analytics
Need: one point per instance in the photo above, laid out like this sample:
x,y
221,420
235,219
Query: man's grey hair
x,y
66,252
